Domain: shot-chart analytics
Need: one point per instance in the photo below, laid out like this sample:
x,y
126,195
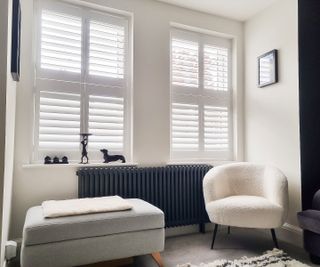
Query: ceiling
x,y
234,9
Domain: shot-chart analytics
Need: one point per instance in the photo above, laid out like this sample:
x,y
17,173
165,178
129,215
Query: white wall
x,y
151,98
3,86
7,122
271,113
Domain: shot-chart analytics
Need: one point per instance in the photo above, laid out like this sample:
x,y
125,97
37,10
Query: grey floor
x,y
195,248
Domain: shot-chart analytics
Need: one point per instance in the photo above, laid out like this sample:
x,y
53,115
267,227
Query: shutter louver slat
x,y
59,120
216,128
106,50
60,42
215,68
184,63
185,127
106,122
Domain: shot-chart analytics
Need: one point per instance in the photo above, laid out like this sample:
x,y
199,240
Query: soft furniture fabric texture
x,y
245,194
309,221
69,207
90,238
274,258
39,230
79,252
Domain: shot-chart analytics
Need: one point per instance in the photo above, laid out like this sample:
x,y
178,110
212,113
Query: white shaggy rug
x,y
274,258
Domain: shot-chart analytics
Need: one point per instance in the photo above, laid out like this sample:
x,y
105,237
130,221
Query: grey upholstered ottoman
x,y
85,239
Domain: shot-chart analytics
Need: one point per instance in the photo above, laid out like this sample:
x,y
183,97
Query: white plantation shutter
x,y
216,68
59,121
185,126
106,50
201,97
106,122
60,42
184,63
82,81
216,128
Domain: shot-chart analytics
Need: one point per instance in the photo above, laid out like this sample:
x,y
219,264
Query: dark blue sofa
x,y
309,221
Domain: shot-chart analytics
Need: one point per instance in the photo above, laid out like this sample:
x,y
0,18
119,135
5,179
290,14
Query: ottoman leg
x,y
157,257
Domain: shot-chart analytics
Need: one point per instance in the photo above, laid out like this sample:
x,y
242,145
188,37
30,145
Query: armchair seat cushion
x,y
245,211
310,220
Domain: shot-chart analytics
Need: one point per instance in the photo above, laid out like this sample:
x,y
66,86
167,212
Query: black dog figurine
x,y
109,158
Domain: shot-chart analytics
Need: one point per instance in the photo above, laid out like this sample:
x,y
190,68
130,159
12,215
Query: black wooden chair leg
x,y
229,230
214,234
274,237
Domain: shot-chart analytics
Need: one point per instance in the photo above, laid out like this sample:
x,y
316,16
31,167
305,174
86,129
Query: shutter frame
x,y
205,97
57,82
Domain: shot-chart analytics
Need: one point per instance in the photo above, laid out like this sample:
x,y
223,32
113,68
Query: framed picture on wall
x,y
268,68
15,40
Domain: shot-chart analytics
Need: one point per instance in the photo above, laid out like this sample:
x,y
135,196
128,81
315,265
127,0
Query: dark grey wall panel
x,y
309,97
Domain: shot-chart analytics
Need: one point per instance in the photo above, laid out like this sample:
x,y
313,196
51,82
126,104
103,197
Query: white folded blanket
x,y
60,208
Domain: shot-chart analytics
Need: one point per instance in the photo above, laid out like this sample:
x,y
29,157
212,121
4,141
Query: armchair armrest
x,y
276,187
310,220
215,184
316,201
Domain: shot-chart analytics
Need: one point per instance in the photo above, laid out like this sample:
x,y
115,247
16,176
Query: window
x,y
82,81
201,96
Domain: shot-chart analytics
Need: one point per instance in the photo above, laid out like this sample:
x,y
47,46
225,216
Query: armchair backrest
x,y
245,179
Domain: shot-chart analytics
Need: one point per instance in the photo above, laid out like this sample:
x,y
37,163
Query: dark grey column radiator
x,y
175,189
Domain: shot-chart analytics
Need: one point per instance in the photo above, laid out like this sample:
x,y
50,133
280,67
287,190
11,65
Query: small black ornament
x,y
56,160
47,160
65,160
109,158
84,143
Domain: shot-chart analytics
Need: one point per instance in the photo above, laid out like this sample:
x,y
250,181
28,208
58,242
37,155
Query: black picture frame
x,y
268,68
15,40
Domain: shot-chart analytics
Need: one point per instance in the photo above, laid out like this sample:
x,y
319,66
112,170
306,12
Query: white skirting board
x,y
292,234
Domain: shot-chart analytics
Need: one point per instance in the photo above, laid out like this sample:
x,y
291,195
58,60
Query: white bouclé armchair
x,y
246,195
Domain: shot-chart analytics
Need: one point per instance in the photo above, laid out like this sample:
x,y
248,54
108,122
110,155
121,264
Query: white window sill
x,y
200,161
113,164
76,165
